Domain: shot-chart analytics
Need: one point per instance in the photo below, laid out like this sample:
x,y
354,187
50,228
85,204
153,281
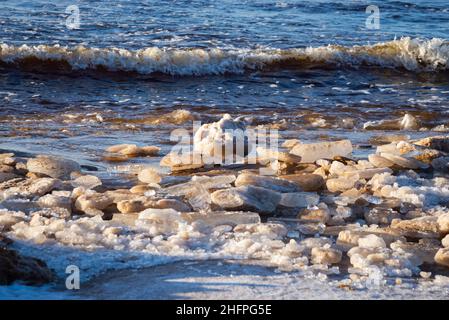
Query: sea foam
x,y
406,53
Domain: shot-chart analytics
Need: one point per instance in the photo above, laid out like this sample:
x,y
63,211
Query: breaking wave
x,y
415,55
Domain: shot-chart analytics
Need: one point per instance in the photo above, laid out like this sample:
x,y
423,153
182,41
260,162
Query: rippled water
x,y
293,64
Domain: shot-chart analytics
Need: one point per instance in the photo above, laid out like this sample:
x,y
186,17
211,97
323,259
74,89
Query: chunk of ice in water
x,y
322,150
160,221
199,198
223,218
372,241
299,199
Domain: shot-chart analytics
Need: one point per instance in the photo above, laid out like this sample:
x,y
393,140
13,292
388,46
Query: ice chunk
x,y
270,230
131,206
175,204
337,168
397,148
442,257
422,227
371,241
315,214
10,218
350,238
52,166
197,190
443,223
87,182
199,198
273,183
54,201
343,183
182,162
369,173
381,216
149,175
205,182
290,143
217,218
93,200
131,150
141,189
247,197
438,142
31,188
379,161
408,163
326,256
160,221
314,151
408,122
299,199
342,212
445,241
221,139
271,155
380,180
424,250
214,182
310,243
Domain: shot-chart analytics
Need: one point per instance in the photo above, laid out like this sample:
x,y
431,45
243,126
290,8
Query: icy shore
x,y
221,280
354,223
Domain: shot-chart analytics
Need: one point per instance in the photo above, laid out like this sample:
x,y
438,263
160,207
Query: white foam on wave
x,y
408,53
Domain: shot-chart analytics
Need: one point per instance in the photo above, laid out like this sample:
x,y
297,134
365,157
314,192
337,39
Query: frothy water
x,y
410,54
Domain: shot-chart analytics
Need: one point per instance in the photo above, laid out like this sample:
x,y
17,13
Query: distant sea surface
x,y
121,76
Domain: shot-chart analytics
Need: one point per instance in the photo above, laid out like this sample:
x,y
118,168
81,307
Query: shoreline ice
x,y
376,221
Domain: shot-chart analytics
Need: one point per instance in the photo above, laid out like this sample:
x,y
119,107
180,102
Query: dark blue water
x,y
227,23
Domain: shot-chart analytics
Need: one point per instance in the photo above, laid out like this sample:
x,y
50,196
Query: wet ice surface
x,y
221,280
